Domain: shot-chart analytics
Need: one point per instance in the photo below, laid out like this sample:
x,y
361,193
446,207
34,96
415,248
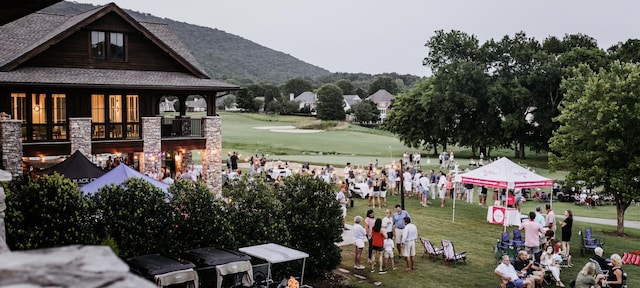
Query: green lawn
x,y
470,232
473,234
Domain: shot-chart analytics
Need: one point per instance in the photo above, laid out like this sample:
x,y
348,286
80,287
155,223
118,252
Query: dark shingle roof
x,y
106,77
23,38
352,99
306,97
381,96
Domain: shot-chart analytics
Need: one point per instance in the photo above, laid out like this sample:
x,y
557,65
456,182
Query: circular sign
x,y
498,216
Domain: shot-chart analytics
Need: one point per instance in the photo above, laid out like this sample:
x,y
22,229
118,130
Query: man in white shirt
x,y
407,182
424,189
510,276
409,237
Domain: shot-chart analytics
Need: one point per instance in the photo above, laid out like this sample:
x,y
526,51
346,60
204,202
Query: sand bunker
x,y
286,129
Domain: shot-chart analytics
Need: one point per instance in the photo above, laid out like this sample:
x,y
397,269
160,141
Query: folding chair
x,y
450,255
433,252
588,244
517,239
588,235
505,243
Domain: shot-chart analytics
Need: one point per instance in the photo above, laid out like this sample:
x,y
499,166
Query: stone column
x,y
152,143
80,136
11,145
211,158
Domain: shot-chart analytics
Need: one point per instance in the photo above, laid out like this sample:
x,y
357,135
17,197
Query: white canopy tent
x,y
504,173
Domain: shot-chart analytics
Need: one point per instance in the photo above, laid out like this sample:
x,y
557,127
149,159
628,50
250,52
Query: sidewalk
x,y
612,222
347,236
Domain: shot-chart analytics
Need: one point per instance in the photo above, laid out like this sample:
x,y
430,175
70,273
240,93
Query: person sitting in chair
x,y
527,267
549,262
587,277
510,276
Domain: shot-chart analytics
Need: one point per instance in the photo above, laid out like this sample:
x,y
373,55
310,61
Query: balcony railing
x,y
181,127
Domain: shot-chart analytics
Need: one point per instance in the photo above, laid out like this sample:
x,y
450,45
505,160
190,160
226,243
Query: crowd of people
x,y
544,254
379,235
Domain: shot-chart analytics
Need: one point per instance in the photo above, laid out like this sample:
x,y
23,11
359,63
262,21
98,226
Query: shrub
x,y
135,215
314,220
256,214
198,219
45,212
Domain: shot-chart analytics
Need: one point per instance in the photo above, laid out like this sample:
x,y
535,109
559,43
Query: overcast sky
x,y
377,36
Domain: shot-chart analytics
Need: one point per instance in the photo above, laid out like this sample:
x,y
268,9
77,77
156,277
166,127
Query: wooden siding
x,y
74,51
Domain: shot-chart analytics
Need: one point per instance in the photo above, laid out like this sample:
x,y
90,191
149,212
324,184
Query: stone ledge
x,y
69,266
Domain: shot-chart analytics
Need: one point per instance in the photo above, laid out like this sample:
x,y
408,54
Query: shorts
x,y
442,194
409,249
388,254
408,186
377,248
359,243
392,184
397,236
344,211
519,283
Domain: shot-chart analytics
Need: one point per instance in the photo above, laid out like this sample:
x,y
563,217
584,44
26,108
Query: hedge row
x,y
137,218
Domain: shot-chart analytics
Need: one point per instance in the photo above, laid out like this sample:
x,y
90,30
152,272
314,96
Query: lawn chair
x,y
505,243
517,239
588,235
430,250
450,255
588,244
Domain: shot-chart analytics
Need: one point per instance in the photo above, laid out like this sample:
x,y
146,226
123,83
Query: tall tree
x,y
346,86
414,117
330,104
246,101
296,86
628,51
366,111
449,47
386,83
271,93
598,134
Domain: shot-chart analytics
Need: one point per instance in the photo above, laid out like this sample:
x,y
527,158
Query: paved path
x,y
612,222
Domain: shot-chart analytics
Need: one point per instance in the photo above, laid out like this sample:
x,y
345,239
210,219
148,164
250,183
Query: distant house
x,y
307,98
350,100
196,105
383,99
220,103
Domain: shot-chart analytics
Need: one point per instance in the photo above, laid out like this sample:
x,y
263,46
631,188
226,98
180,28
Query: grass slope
x,y
469,232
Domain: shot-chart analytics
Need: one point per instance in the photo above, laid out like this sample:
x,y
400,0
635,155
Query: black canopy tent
x,y
77,168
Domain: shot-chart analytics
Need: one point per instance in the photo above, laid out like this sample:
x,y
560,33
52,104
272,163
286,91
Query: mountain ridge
x,y
223,55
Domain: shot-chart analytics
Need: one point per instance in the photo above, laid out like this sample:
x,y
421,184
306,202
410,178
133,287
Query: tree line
x,y
498,94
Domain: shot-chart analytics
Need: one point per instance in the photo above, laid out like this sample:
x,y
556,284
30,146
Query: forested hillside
x,y
223,55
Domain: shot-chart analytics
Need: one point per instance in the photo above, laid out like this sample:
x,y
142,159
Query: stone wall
x,y
80,136
211,158
11,145
152,143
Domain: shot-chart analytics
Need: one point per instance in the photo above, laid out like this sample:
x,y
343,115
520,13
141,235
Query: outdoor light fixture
x,y
36,108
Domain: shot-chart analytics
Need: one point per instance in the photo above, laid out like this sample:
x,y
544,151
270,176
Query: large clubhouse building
x,y
103,83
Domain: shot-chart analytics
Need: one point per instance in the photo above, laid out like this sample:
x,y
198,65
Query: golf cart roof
x,y
274,253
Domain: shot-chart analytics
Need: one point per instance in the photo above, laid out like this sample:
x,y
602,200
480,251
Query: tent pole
x,y
304,262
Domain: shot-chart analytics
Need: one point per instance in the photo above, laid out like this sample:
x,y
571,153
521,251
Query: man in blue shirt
x,y
398,226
